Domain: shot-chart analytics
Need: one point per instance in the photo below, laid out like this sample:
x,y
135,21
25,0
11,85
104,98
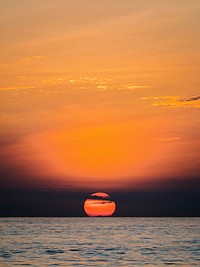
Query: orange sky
x,y
100,94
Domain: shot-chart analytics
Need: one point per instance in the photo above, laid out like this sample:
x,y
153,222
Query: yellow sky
x,y
100,93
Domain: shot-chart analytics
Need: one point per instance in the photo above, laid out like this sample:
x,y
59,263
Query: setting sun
x,y
98,204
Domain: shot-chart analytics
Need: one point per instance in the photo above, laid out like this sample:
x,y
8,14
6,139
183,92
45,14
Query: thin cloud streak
x,y
168,139
194,98
174,101
16,88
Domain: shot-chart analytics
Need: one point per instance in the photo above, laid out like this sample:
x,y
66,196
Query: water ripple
x,y
54,251
101,242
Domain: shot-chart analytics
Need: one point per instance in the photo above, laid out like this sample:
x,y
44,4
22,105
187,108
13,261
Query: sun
x,y
99,204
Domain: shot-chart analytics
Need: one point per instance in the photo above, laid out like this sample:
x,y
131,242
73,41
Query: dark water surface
x,y
100,241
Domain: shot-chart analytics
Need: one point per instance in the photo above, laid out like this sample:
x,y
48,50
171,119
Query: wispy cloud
x,y
29,60
52,81
102,87
174,101
193,98
3,65
95,83
134,86
34,58
168,139
16,88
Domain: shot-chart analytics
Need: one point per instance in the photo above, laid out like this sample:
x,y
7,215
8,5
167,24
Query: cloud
x,y
102,87
58,80
174,101
3,65
34,58
94,83
168,139
194,98
134,87
16,88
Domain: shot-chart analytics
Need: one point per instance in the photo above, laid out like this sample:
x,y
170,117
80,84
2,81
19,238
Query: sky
x,y
100,96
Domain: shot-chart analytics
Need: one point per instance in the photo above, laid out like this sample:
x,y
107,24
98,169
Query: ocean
x,y
102,241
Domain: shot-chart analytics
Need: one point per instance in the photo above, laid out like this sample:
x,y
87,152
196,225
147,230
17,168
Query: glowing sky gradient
x,y
99,94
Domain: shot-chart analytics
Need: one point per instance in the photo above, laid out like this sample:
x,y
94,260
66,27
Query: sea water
x,y
100,241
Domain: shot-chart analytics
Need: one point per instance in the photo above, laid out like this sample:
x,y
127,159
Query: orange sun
x,y
99,204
